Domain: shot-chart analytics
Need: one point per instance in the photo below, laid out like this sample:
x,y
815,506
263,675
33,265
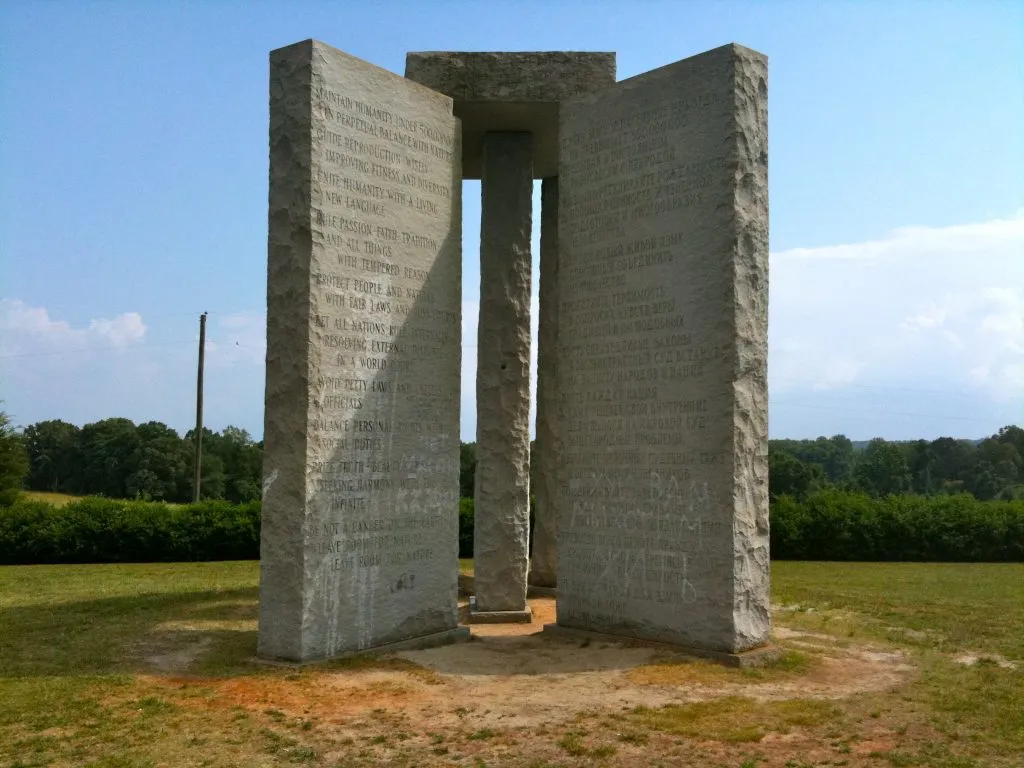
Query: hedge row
x,y
98,530
838,525
829,525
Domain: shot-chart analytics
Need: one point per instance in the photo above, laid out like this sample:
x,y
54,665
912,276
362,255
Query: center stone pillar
x,y
502,491
542,577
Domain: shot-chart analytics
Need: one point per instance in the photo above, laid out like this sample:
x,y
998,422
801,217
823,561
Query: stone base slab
x,y
501,617
756,657
448,637
498,617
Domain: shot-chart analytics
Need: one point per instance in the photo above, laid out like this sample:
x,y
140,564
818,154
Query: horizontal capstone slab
x,y
510,91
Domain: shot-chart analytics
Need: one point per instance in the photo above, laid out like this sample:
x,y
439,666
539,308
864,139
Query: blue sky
x,y
133,189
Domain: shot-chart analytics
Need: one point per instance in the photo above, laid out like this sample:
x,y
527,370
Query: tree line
x,y
117,458
988,469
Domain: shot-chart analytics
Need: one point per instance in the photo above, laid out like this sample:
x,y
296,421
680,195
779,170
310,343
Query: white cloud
x,y
30,330
837,373
124,366
937,309
925,323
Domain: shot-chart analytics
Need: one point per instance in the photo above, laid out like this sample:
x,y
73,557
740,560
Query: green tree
x,y
53,454
951,462
158,469
996,469
467,469
215,479
921,463
243,465
109,449
834,455
1014,435
14,464
839,459
1004,457
790,476
882,469
232,464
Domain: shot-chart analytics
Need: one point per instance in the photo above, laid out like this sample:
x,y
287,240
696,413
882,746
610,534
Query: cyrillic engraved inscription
x,y
647,324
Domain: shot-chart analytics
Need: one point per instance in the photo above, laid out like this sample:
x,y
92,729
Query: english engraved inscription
x,y
378,530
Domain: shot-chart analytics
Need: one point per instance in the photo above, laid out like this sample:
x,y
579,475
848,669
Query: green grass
x,y
57,499
84,619
946,606
76,687
735,719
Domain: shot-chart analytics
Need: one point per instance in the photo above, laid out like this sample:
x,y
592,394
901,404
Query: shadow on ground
x,y
125,634
213,633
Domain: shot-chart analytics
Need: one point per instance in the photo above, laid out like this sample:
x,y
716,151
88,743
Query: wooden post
x,y
197,478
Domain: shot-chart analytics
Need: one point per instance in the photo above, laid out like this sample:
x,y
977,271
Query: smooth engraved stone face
x,y
663,237
359,531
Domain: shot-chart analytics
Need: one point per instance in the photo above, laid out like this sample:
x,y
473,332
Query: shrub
x,y
827,525
465,528
98,530
841,525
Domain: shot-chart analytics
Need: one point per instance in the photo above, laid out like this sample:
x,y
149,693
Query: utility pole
x,y
197,478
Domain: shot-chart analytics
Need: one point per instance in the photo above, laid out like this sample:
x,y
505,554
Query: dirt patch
x,y
543,613
513,676
972,659
575,702
180,658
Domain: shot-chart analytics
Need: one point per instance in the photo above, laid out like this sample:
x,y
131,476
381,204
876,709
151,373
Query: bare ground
x,y
511,683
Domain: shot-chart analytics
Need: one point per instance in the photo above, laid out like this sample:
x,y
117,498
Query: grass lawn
x,y
57,499
91,659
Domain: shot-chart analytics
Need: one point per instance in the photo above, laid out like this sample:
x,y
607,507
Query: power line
x,y
97,349
775,403
85,323
79,325
881,387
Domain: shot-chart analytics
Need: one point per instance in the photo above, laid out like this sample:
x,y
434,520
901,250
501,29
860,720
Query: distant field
x,y
61,499
151,665
57,499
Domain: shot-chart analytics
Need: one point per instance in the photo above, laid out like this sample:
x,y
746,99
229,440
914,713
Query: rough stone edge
x,y
448,637
755,657
751,614
286,390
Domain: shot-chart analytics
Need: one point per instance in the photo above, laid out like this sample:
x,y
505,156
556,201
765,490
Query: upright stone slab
x,y
359,531
547,452
663,338
502,495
